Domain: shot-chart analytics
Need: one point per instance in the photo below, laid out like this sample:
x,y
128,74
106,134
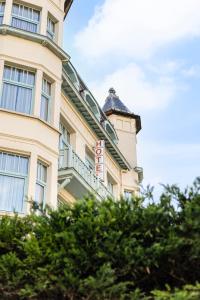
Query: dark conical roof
x,y
114,103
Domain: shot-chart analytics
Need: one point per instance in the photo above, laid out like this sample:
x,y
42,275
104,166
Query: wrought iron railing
x,y
69,159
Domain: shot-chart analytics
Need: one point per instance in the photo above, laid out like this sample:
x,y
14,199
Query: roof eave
x,y
126,114
67,6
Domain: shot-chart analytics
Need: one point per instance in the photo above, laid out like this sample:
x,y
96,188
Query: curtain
x,y
11,193
16,98
44,108
39,195
25,25
21,12
14,170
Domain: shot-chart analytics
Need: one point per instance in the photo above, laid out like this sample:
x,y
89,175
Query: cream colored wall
x,y
126,131
29,135
84,136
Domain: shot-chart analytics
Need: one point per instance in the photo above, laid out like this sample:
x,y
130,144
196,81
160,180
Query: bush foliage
x,y
105,250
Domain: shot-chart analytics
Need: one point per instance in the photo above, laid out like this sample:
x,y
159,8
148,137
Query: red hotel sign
x,y
99,159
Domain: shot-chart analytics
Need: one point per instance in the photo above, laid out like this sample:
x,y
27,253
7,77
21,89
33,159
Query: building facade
x,y
50,123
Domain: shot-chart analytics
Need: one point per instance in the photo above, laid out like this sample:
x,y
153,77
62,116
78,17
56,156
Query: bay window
x,y
50,28
13,182
26,18
45,100
2,8
18,86
41,184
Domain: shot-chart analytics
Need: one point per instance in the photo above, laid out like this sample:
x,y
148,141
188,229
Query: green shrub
x,y
105,250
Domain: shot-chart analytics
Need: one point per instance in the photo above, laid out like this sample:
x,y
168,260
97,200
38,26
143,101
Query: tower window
x,y
45,100
25,18
2,8
51,28
13,182
18,86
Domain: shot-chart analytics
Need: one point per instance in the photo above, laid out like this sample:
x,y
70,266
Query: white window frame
x,y
22,18
51,23
41,183
65,136
12,82
17,174
2,9
47,96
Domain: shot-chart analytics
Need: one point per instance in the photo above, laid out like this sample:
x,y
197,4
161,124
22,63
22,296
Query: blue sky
x,y
149,52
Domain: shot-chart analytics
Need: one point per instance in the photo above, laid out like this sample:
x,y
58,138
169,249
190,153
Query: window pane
x,y
25,18
41,172
16,98
39,195
24,25
44,108
19,75
12,193
65,136
11,163
50,28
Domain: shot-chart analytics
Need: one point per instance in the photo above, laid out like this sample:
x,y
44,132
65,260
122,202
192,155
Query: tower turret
x,y
126,124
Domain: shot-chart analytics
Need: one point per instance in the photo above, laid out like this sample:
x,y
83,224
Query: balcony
x,y
75,176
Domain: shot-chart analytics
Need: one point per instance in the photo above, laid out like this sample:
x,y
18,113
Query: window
x,y
13,182
51,28
128,195
110,187
45,100
111,184
41,183
89,161
18,88
65,137
2,8
25,18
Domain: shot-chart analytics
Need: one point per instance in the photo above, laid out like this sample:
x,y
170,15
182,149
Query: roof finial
x,y
112,91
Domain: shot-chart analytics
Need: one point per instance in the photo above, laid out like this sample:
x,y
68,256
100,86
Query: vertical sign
x,y
99,159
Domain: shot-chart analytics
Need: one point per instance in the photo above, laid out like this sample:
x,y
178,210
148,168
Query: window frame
x,y
2,4
24,176
41,183
130,194
19,84
48,98
22,18
62,140
51,34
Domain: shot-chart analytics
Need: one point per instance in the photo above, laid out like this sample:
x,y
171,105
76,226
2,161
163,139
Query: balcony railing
x,y
68,159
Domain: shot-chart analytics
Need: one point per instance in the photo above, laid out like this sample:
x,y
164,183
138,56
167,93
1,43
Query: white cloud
x,y
192,72
137,28
136,90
